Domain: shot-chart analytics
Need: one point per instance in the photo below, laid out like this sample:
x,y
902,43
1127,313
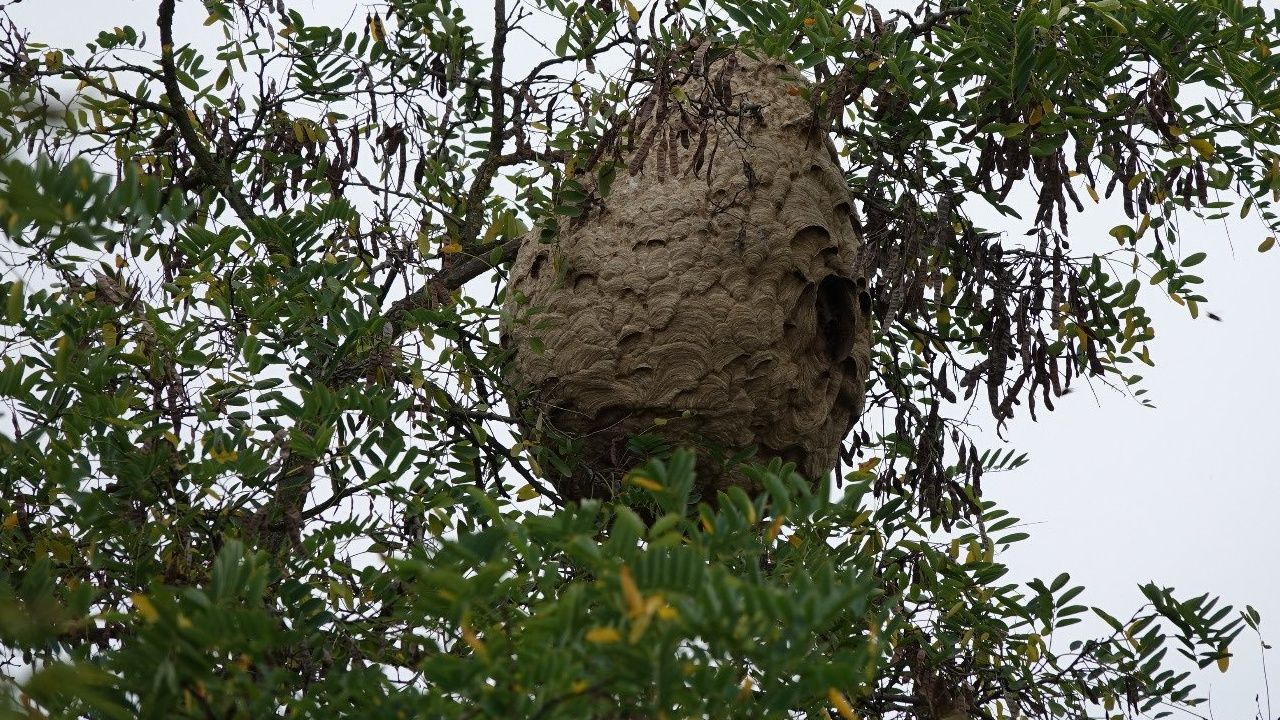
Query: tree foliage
x,y
260,460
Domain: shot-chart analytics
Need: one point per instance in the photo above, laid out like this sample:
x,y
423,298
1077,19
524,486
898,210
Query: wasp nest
x,y
711,297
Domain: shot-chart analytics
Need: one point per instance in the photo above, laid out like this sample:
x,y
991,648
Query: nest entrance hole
x,y
836,319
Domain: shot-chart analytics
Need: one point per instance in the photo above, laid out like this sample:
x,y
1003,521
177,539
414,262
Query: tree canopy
x,y
259,459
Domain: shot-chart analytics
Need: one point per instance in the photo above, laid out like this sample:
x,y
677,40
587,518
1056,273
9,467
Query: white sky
x,y
1117,494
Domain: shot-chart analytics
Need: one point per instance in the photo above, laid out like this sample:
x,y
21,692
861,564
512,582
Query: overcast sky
x,y
1185,494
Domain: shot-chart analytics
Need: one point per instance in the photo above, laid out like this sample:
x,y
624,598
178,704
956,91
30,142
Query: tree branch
x,y
483,182
217,173
932,20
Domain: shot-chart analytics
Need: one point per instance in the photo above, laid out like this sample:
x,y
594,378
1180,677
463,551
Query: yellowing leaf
x,y
452,248
473,641
1224,661
840,703
11,521
868,465
145,608
528,492
1082,334
632,13
1202,146
1033,648
775,527
1121,233
603,636
645,482
1267,244
630,593
810,22
641,623
1092,193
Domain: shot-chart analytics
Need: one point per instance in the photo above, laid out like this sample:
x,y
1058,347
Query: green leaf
x,y
1121,232
14,303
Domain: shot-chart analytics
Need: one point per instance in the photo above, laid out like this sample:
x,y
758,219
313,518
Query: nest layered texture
x,y
711,298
